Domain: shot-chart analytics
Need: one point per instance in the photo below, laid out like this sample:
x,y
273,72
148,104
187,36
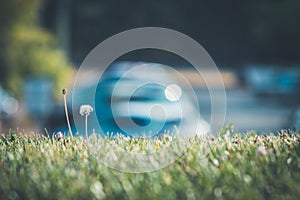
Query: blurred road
x,y
246,112
243,109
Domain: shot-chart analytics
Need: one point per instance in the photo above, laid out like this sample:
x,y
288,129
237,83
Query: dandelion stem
x,y
86,128
66,111
85,110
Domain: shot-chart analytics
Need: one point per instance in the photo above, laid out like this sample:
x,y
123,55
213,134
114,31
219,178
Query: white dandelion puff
x,y
85,110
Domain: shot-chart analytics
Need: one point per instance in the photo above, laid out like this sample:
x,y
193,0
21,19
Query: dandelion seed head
x,y
86,110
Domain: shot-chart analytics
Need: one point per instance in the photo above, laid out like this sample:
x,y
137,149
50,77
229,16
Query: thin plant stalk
x,y
66,111
86,127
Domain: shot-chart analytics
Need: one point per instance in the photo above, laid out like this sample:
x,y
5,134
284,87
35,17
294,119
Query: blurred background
x,y
255,44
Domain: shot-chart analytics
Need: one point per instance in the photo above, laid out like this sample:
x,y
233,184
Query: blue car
x,y
141,99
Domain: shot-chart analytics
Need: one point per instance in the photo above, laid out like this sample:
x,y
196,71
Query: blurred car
x,y
266,80
142,99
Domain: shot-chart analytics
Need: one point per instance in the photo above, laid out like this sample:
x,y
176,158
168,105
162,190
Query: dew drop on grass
x,y
289,160
216,162
97,189
218,192
247,178
10,156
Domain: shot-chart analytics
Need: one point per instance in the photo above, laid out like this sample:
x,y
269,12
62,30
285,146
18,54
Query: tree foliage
x,y
26,49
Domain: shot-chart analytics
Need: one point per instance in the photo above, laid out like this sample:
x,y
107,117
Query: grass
x,y
249,166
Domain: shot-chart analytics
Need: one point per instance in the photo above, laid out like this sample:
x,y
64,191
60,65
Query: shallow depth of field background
x,y
255,44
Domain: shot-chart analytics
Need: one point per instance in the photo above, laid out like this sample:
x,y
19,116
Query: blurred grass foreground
x,y
249,166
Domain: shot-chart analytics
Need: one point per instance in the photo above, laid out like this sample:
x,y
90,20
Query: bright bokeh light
x,y
173,92
10,105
